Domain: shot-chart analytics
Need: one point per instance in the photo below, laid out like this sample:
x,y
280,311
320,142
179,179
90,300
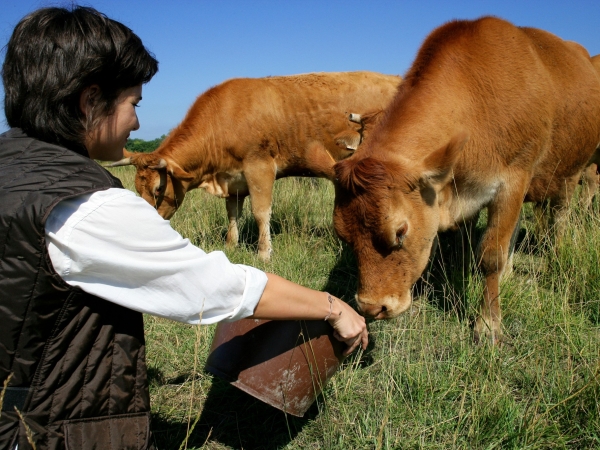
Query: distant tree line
x,y
140,145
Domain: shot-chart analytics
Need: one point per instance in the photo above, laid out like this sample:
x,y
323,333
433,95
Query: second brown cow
x,y
489,115
241,135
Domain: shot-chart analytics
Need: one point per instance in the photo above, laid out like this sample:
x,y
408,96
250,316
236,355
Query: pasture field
x,y
422,383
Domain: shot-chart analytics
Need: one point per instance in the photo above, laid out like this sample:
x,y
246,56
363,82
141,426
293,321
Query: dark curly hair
x,y
53,55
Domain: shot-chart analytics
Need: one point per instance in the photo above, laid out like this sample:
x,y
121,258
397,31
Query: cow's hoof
x,y
230,244
496,339
487,331
482,338
265,256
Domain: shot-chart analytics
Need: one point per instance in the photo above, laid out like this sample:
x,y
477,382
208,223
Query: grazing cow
x,y
241,135
489,115
591,175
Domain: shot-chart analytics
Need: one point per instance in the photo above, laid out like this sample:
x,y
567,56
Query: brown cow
x,y
489,115
591,175
241,135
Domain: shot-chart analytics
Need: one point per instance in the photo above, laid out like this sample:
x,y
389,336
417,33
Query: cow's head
x,y
389,213
159,180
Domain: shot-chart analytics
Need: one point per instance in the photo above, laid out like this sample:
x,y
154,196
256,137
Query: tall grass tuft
x,y
422,383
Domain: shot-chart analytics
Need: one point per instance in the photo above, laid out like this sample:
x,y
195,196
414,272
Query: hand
x,y
302,303
349,327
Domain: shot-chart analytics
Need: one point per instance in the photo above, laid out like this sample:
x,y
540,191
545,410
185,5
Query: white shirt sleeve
x,y
114,245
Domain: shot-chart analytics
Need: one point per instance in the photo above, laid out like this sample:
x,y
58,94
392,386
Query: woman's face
x,y
107,140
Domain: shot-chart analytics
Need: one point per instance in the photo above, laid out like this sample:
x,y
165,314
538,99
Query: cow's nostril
x,y
380,312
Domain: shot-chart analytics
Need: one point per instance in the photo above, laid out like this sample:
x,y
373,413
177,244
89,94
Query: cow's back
x,y
286,114
282,98
349,91
529,101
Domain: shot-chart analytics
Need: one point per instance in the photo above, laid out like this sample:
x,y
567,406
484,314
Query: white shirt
x,y
114,245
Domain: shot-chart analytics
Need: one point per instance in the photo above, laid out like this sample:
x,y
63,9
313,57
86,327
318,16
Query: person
x,y
82,258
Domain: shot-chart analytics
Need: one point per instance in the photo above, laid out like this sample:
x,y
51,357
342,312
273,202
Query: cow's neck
x,y
427,120
424,121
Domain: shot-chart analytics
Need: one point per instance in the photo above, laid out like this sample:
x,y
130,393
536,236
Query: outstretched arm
x,y
286,300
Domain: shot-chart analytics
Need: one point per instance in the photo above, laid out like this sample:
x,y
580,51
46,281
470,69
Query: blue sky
x,y
201,43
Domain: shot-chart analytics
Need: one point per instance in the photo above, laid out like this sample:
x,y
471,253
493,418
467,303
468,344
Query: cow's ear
x,y
176,171
439,164
179,176
348,139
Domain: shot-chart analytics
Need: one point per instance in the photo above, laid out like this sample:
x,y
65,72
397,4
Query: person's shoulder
x,y
122,209
113,195
116,203
18,138
121,198
15,142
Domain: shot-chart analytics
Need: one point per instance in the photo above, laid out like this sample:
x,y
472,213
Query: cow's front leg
x,y
559,209
590,180
260,177
234,204
503,216
589,185
511,249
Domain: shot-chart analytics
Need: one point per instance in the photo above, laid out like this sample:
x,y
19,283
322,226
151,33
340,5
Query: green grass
x,y
422,383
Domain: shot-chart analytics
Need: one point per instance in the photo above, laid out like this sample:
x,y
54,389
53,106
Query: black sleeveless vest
x,y
75,363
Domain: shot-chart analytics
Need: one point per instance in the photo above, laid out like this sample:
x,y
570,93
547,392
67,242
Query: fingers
x,y
364,339
353,342
350,328
360,341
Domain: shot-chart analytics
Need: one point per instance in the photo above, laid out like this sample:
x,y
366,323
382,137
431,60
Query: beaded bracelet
x,y
330,298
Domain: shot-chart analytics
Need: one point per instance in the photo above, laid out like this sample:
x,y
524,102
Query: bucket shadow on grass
x,y
234,419
231,418
245,354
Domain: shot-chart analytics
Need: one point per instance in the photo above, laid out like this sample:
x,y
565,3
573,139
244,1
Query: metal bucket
x,y
283,363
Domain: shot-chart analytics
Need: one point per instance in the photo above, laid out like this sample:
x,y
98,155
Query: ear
x,y
348,139
178,172
438,165
88,98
